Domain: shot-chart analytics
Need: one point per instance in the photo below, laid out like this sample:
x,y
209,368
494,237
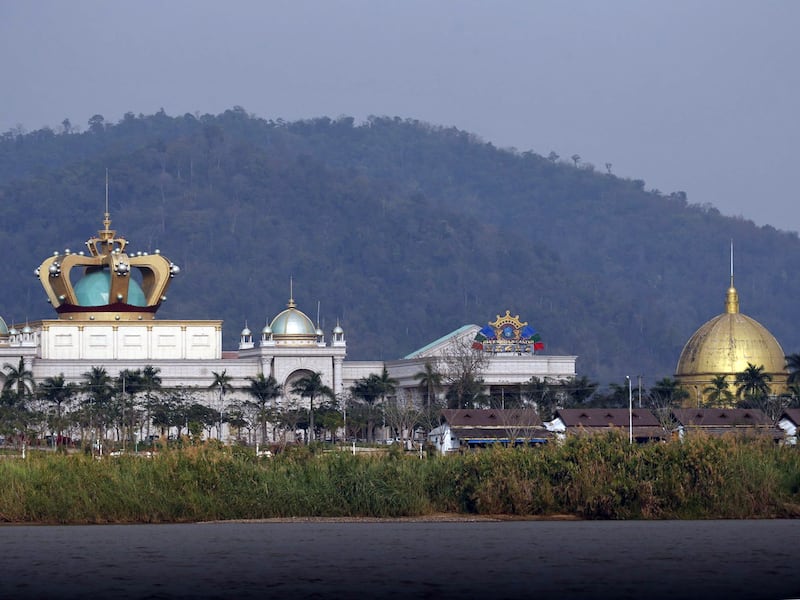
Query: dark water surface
x,y
539,559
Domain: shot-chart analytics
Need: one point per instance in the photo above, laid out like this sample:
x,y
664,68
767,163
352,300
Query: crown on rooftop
x,y
106,283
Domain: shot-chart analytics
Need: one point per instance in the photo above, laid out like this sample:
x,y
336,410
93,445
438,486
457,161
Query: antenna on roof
x,y
318,314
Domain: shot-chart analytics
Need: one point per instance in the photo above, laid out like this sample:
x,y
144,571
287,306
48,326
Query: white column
x,y
266,365
337,376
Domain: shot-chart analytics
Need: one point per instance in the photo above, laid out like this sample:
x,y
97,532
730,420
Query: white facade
x,y
136,341
189,353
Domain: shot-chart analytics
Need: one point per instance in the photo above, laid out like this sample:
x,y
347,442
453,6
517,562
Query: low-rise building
x,y
724,421
478,428
591,421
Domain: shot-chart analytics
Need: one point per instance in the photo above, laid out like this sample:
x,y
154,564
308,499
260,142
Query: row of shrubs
x,y
599,477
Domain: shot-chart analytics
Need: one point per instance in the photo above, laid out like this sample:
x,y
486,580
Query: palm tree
x,y
793,366
368,389
667,393
222,381
127,384
311,385
466,391
386,385
718,392
579,390
752,384
263,390
18,379
151,383
57,391
794,395
98,386
430,380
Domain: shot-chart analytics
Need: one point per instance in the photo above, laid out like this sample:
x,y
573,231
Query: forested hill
x,y
401,230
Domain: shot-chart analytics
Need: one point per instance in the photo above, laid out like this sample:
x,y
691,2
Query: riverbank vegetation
x,y
596,478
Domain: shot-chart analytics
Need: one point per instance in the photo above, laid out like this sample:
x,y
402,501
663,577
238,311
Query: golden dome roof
x,y
726,344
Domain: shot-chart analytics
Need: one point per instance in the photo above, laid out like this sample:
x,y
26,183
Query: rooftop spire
x,y
731,263
106,235
732,298
291,294
107,217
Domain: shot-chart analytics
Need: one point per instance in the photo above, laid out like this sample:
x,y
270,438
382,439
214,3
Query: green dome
x,y
92,290
3,328
292,322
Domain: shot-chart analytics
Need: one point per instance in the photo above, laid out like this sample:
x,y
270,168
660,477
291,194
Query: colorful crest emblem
x,y
508,334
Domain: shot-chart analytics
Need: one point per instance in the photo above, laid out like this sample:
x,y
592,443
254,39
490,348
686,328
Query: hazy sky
x,y
699,96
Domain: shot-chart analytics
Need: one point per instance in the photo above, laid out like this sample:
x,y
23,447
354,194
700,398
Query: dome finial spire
x,y
106,236
291,303
732,298
107,216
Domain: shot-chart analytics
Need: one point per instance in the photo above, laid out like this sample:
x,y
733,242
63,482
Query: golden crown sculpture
x,y
124,287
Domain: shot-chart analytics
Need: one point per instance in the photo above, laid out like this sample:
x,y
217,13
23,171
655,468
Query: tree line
x,y
134,408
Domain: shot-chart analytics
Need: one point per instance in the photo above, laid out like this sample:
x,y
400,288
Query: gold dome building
x,y
725,345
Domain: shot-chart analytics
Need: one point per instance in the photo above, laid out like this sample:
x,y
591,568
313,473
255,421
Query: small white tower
x,y
266,336
246,338
338,336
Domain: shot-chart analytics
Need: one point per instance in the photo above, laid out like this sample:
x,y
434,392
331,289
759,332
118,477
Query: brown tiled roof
x,y
607,417
721,417
502,418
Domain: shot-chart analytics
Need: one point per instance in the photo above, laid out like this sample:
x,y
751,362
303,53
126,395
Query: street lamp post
x,y
630,410
344,416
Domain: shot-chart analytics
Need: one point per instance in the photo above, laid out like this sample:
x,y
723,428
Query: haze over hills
x,y
400,230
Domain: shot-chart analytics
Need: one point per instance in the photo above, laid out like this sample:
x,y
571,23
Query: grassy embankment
x,y
602,478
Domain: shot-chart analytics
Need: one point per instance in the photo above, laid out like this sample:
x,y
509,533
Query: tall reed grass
x,y
602,477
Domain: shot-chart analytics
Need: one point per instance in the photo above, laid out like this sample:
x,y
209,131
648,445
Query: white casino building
x,y
106,302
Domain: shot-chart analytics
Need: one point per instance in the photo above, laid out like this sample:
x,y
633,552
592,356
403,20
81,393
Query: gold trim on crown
x,y
107,252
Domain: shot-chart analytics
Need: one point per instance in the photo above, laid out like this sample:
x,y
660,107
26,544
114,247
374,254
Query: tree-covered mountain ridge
x,y
400,230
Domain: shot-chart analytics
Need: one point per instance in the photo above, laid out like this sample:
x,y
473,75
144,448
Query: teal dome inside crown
x,y
93,288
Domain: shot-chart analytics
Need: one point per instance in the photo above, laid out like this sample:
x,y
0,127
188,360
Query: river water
x,y
437,560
